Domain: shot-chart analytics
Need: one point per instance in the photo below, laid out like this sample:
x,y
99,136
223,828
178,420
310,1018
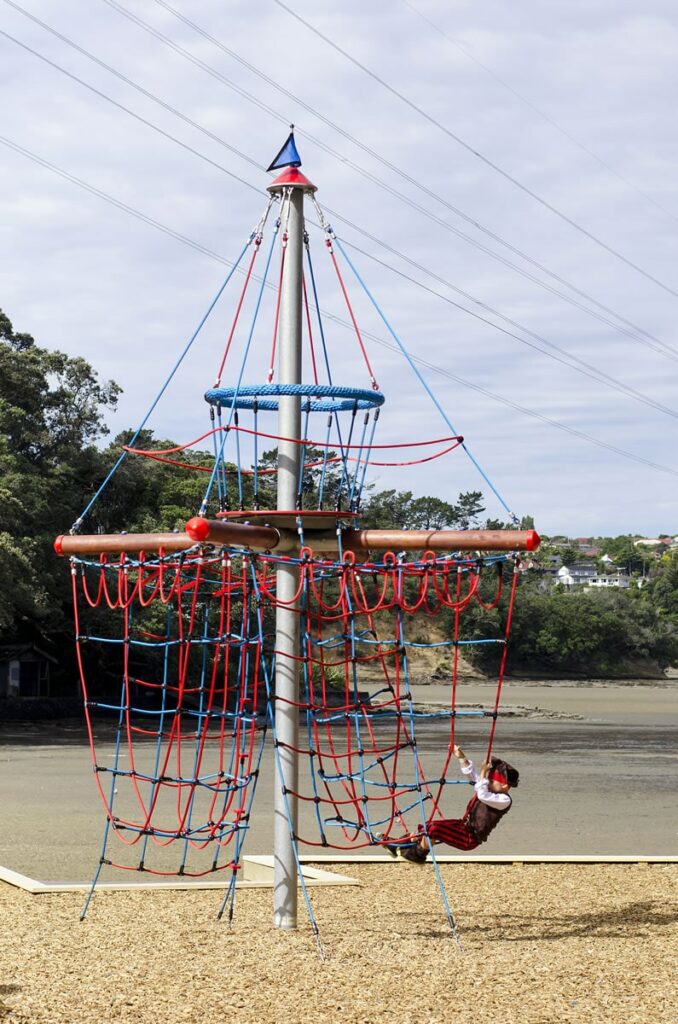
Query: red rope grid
x,y
340,606
186,598
334,747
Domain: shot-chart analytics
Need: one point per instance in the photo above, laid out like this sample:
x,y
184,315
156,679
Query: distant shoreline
x,y
69,710
586,681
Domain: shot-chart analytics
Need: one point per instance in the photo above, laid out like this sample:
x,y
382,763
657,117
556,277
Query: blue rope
x,y
222,472
321,328
354,493
306,410
195,777
417,775
346,475
419,376
338,397
255,485
367,456
79,521
161,721
233,392
238,463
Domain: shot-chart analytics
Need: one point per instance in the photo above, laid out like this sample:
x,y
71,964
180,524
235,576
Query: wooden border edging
x,y
518,858
258,870
257,873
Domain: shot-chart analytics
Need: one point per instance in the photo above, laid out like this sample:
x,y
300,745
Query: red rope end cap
x,y
58,545
533,540
197,528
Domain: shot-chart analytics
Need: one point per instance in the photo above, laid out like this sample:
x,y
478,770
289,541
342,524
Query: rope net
x,y
194,651
186,639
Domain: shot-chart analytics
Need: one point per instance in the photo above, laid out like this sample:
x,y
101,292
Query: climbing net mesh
x,y
195,654
187,639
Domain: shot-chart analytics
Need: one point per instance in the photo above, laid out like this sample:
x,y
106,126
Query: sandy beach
x,y
542,944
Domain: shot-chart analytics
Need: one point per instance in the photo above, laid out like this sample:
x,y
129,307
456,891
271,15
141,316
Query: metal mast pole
x,y
287,615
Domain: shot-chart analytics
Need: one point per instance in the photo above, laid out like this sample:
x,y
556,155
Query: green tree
x,y
393,509
569,554
662,591
388,509
431,514
584,631
625,554
469,507
51,412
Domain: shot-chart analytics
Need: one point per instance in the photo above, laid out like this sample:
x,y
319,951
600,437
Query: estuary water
x,y
598,763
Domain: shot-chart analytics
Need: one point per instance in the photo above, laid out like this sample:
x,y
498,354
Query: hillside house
x,y
583,574
586,547
619,580
575,575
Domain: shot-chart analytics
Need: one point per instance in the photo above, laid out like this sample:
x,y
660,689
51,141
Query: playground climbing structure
x,y
274,633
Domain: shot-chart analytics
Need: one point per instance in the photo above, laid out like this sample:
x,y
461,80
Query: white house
x,y
619,580
577,574
585,575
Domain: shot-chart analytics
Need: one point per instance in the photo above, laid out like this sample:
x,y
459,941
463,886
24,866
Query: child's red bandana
x,y
497,777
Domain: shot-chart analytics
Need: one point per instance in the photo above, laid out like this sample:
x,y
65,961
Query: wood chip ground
x,y
542,944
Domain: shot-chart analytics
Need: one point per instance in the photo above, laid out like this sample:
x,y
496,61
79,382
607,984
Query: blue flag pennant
x,y
288,155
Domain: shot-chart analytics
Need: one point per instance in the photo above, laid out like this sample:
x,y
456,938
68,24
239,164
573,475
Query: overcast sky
x,y
544,133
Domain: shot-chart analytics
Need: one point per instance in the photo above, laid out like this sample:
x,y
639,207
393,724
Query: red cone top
x,y
291,177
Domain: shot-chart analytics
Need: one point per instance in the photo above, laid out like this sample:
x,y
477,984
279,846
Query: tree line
x,y
53,456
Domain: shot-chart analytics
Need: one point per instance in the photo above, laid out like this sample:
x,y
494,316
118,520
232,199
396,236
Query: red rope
x,y
257,243
271,368
310,329
373,381
502,665
293,440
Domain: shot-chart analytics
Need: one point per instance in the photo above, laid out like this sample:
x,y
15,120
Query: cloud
x,y
91,279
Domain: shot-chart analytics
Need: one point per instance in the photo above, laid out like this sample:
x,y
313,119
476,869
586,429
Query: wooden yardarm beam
x,y
117,543
268,538
224,531
440,540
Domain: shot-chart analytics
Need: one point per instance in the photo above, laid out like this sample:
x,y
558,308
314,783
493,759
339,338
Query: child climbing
x,y
485,810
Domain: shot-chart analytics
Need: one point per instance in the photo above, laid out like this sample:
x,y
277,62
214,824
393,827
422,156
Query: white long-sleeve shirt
x,y
483,792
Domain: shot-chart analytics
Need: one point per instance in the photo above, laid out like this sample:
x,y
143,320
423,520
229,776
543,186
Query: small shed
x,y
24,671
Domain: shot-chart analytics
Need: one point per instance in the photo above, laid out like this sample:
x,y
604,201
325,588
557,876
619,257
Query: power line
x,y
118,203
565,359
572,362
630,329
204,250
126,110
128,81
528,103
475,152
415,182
